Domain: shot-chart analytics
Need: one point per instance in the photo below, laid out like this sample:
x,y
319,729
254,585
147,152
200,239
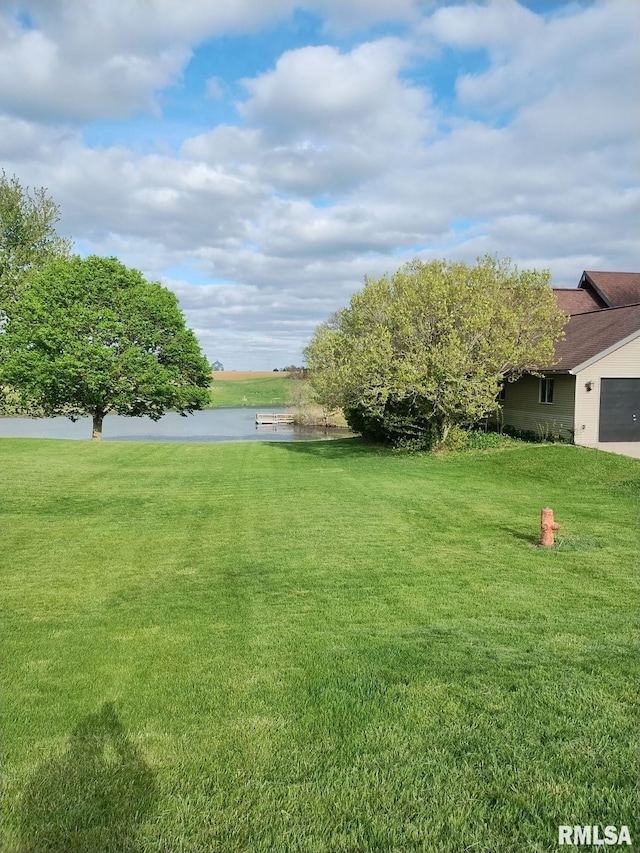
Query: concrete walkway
x,y
626,448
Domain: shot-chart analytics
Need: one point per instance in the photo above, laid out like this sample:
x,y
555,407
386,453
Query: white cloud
x,y
530,56
320,93
83,60
330,122
340,165
472,26
323,122
266,323
40,79
224,144
214,89
149,22
181,203
346,15
29,143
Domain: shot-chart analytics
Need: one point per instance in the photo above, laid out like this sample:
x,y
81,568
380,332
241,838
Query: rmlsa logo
x,y
577,835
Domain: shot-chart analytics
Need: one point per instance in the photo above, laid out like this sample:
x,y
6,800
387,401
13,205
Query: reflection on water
x,y
210,425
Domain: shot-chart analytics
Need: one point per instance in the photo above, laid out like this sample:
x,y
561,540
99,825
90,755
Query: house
x,y
217,366
592,392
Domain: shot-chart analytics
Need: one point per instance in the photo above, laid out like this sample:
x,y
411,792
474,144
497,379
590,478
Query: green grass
x,y
264,391
314,647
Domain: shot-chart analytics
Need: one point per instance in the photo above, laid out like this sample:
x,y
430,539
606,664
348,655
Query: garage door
x,y
619,410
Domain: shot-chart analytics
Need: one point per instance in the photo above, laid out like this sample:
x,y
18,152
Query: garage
x,y
619,410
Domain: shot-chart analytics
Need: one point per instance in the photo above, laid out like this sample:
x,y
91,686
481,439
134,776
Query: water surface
x,y
233,424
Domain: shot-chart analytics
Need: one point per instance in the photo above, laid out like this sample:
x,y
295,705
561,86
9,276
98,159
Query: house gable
x,y
615,289
622,363
599,290
613,348
588,336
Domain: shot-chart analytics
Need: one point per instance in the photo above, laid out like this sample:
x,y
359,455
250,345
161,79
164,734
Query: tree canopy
x,y
428,347
28,238
89,337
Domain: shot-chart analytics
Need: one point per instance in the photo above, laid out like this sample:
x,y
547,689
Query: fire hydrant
x,y
547,527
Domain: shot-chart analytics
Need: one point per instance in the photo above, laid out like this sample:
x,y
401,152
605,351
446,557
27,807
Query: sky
x,y
260,158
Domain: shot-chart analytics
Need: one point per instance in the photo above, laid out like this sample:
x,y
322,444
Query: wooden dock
x,y
274,419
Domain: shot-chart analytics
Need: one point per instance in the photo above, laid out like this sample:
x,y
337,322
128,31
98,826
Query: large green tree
x,y
28,238
89,337
427,348
28,241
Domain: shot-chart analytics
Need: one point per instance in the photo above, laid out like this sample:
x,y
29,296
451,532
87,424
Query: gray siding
x,y
521,408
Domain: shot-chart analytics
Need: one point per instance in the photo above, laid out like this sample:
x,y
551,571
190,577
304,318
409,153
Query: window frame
x,y
545,391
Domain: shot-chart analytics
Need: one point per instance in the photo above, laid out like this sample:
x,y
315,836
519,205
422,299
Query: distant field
x,y
258,389
314,647
223,375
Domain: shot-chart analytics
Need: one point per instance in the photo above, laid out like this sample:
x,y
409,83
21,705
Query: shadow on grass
x,y
562,543
522,535
93,798
334,448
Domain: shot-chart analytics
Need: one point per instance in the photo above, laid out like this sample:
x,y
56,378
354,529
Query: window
x,y
502,395
546,390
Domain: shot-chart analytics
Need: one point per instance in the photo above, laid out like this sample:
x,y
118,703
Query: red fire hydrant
x,y
547,527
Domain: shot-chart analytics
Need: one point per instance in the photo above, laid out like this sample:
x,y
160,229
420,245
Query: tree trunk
x,y
96,432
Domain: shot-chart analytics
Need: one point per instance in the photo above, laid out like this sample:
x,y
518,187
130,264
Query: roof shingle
x,y
577,301
587,335
617,288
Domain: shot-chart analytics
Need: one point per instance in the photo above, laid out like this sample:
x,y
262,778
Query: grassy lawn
x,y
265,391
314,647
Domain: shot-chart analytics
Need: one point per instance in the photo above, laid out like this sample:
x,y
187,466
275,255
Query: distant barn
x,y
217,365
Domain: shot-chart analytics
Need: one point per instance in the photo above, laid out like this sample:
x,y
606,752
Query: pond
x,y
233,424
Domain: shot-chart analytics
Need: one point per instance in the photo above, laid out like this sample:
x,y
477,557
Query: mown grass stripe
x,y
318,647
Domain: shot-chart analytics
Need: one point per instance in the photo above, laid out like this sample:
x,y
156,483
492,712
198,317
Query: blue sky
x,y
261,158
